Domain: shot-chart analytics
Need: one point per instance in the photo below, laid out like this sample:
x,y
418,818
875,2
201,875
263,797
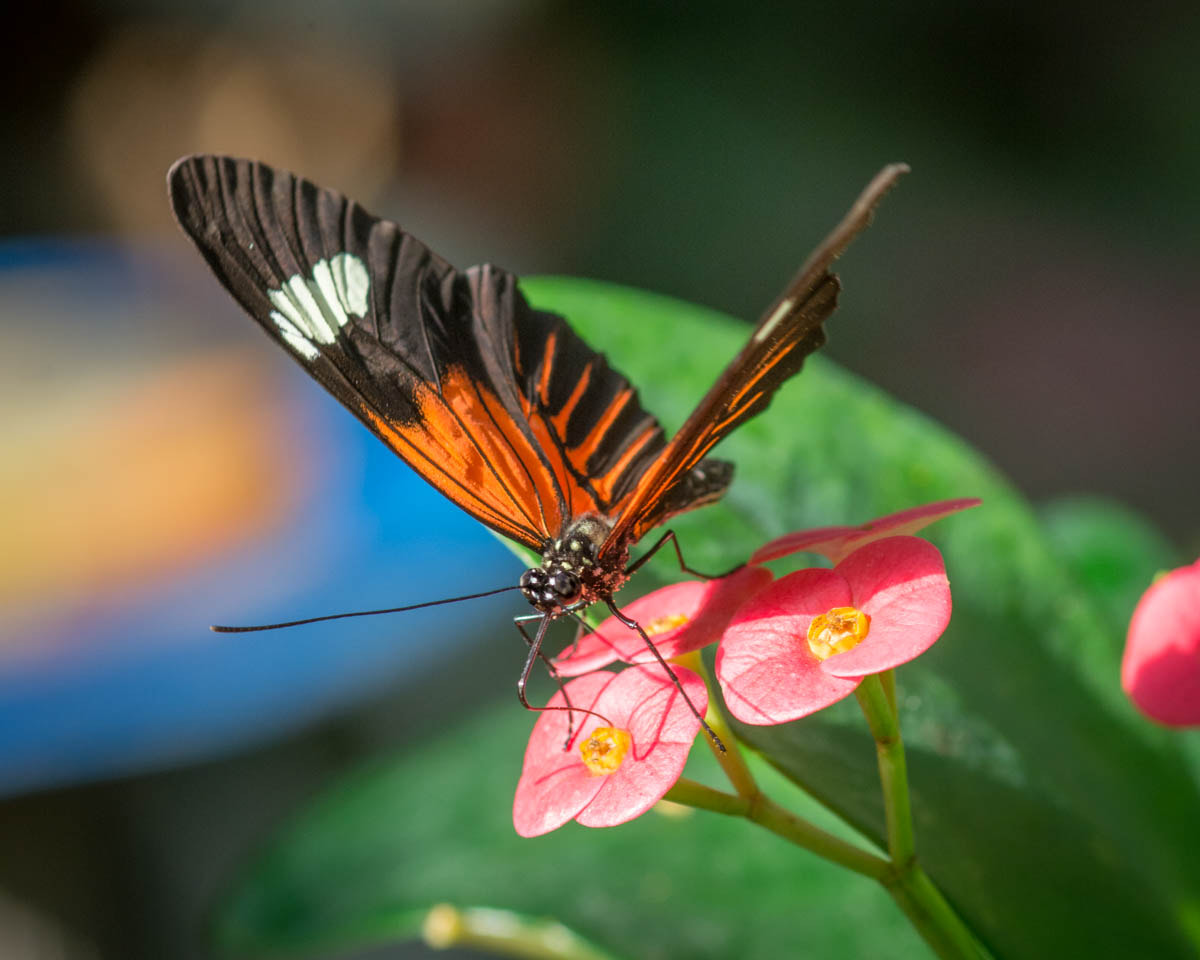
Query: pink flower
x,y
1161,668
836,543
807,640
615,768
679,619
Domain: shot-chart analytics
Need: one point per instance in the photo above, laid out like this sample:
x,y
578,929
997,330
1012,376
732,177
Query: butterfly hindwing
x,y
502,408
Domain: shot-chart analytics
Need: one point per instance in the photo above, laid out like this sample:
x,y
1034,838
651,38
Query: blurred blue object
x,y
126,676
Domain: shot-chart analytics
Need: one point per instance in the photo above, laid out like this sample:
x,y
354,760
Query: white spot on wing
x,y
353,282
313,310
773,321
307,302
293,336
332,315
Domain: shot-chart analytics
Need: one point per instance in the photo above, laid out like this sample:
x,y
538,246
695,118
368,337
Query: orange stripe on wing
x,y
724,426
561,419
762,369
424,453
577,500
581,452
507,449
495,461
547,368
605,484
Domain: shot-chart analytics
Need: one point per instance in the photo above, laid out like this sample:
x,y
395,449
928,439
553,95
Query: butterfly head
x,y
571,574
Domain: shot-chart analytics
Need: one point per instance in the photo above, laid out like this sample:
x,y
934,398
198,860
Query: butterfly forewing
x,y
502,408
788,332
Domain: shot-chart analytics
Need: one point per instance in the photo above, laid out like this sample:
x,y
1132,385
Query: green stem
x,y
731,759
507,934
893,768
912,889
909,885
693,794
932,916
921,901
887,680
768,814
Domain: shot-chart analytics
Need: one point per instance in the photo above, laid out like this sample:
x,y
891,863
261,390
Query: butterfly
x,y
501,407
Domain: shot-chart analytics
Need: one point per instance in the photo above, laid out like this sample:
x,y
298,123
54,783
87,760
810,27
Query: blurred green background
x,y
1032,285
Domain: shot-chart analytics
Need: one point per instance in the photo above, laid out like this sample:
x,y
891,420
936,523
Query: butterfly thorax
x,y
573,574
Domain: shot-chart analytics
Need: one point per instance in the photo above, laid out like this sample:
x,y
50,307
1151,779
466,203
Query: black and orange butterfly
x,y
501,407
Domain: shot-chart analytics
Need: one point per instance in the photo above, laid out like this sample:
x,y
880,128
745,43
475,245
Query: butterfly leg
x,y
669,537
634,625
584,627
535,653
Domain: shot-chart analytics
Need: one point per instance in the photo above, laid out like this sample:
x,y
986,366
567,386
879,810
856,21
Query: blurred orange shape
x,y
107,490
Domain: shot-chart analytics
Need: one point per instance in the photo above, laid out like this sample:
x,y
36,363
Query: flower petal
x,y
707,605
767,672
901,584
645,702
555,785
818,540
836,543
1161,668
906,522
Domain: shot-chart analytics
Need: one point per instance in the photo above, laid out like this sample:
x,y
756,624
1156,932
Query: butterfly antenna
x,y
216,628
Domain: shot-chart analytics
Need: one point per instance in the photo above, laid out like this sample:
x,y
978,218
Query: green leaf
x,y
1055,819
1114,555
435,826
1112,552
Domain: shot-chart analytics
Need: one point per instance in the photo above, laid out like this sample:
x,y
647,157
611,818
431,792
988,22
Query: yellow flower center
x,y
604,750
839,630
664,623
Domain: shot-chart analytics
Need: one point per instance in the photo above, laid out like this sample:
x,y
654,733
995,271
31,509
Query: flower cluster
x,y
787,647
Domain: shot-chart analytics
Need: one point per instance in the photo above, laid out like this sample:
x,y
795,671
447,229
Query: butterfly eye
x,y
565,584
